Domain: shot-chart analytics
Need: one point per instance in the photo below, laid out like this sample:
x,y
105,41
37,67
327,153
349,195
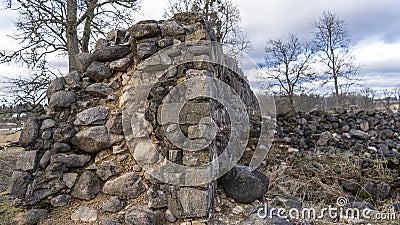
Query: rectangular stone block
x,y
27,161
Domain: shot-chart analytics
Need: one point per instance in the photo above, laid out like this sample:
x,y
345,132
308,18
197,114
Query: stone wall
x,y
142,92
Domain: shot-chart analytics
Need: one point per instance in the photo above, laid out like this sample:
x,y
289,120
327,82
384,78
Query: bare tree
x,y
396,93
223,15
289,63
63,26
333,42
368,98
28,90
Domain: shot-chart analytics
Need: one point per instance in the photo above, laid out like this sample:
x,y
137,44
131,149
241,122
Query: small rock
x,y
57,84
48,123
359,134
111,53
19,184
99,90
93,139
92,116
364,126
324,138
33,216
140,215
62,100
128,185
27,161
73,80
146,30
237,210
97,71
60,200
114,204
116,220
70,179
71,160
169,217
61,147
29,132
87,187
156,198
83,60
85,214
106,169
120,64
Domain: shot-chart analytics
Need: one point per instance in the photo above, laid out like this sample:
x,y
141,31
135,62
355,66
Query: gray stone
x,y
364,126
27,160
83,60
144,152
101,43
87,187
169,217
359,134
111,53
186,202
106,169
120,64
254,219
69,179
156,198
60,200
19,184
245,185
145,30
55,85
99,90
46,135
29,133
71,160
128,185
92,116
114,125
324,138
64,133
62,100
378,192
146,49
171,28
33,216
140,215
85,214
289,202
97,71
116,220
73,80
361,205
92,140
61,147
114,204
47,123
116,36
44,161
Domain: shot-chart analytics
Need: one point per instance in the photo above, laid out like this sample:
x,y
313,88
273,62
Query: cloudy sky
x,y
373,24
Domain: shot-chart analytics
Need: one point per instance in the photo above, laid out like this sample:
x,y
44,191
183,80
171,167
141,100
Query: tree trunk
x,y
87,28
72,36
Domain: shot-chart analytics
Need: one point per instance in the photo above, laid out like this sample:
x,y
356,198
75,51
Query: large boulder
x,y
62,100
111,53
128,185
143,30
55,85
98,71
93,139
140,215
92,116
71,160
87,187
29,133
244,184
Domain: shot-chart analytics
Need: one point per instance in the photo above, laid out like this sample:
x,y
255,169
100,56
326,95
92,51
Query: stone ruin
x,y
120,114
